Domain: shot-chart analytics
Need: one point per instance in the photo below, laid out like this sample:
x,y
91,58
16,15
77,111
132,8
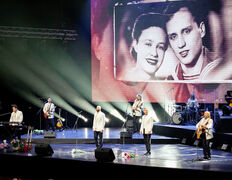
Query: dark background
x,y
56,14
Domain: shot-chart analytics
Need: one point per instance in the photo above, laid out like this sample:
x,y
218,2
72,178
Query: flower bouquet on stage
x,y
128,155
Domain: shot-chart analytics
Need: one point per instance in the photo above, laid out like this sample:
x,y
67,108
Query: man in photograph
x,y
186,29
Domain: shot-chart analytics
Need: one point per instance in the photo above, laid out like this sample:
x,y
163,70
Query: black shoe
x,y
206,158
147,154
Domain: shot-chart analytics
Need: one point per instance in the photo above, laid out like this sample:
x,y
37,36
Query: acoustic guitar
x,y
201,130
59,123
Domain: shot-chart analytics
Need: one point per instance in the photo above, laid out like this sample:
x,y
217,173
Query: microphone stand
x,y
197,158
126,117
4,114
39,112
123,126
75,127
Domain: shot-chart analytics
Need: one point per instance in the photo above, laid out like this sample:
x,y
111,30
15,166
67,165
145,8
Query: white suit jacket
x,y
99,121
49,107
147,124
16,117
209,126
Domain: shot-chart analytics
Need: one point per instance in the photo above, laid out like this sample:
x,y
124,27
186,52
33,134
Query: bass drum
x,y
177,118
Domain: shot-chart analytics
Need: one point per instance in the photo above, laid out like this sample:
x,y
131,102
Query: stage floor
x,y
165,156
162,155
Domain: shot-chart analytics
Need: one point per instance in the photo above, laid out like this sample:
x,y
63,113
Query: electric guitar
x,y
28,145
48,112
137,109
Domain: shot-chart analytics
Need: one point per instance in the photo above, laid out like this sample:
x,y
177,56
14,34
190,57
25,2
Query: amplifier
x,y
49,134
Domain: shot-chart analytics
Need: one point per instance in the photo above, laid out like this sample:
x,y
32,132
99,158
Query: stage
x,y
167,160
170,156
186,134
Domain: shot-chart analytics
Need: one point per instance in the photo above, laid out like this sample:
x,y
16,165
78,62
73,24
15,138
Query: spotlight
x,y
82,117
153,114
107,120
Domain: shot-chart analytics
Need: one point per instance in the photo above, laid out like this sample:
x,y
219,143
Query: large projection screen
x,y
163,50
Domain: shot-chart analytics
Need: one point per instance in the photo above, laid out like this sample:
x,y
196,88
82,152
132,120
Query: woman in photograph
x,y
149,43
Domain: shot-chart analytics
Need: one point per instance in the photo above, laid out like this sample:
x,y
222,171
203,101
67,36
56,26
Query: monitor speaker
x,y
104,155
43,150
49,134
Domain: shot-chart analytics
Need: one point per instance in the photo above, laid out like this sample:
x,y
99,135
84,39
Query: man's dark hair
x,y
14,105
194,8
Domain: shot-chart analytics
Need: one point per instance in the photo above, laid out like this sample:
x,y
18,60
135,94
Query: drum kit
x,y
186,114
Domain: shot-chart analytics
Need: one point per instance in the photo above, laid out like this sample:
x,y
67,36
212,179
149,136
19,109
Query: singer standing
x,y
205,126
146,130
98,127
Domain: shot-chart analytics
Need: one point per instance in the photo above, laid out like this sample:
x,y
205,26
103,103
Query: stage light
x,y
154,116
107,120
110,109
115,113
82,117
151,111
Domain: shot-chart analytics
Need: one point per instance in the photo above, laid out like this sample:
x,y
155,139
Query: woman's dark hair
x,y
145,21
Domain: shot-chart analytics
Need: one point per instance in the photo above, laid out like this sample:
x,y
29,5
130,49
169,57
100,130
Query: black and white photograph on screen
x,y
177,41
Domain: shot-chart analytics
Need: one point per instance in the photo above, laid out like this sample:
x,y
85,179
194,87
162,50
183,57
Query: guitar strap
x,y
49,106
206,123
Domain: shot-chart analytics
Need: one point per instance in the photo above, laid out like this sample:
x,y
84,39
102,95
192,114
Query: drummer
x,y
192,102
192,109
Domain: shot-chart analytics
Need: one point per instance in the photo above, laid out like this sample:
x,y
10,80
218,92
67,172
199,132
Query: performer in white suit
x,y
98,126
49,109
16,119
16,115
206,125
146,130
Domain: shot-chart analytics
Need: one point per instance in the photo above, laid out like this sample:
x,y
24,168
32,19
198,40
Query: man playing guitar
x,y
137,108
49,109
204,131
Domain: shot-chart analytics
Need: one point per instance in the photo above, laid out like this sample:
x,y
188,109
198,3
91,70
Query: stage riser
x,y
190,137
